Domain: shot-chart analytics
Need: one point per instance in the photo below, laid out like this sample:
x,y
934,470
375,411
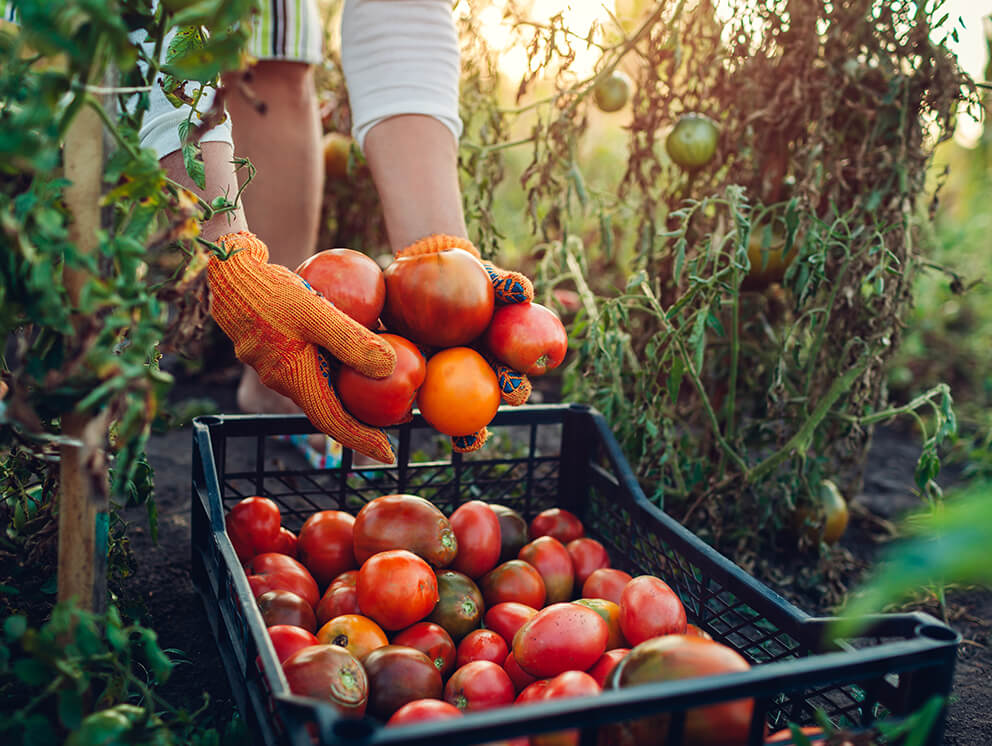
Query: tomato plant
x,y
479,685
382,402
279,607
557,522
326,545
514,580
354,632
349,279
433,641
404,522
253,526
330,673
528,337
692,142
397,676
558,638
482,645
477,529
552,560
649,608
396,588
460,605
460,394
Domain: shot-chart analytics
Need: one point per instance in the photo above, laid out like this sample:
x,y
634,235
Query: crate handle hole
x,y
937,632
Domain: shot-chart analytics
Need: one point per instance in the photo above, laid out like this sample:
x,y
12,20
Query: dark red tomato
x,y
479,685
404,522
272,571
649,608
481,645
444,299
607,582
399,675
341,597
520,678
421,710
507,617
349,279
477,529
433,641
460,606
588,555
330,673
253,526
515,580
553,561
528,337
288,638
557,522
532,692
606,663
396,589
561,637
287,543
326,545
563,686
285,607
512,531
382,402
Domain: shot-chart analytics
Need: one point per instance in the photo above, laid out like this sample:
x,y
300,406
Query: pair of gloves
x,y
279,324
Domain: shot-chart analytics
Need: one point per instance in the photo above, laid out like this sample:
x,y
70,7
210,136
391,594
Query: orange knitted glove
x,y
510,287
277,322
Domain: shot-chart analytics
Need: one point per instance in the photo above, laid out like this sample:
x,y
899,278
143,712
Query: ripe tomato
x,y
336,147
552,560
421,710
611,615
460,394
330,673
404,522
520,678
460,607
433,641
359,634
612,91
692,142
482,645
350,280
477,529
533,692
562,686
287,543
326,544
560,637
507,617
515,580
253,526
512,531
285,607
588,555
607,582
271,571
557,522
649,608
399,675
288,638
341,597
835,513
382,402
528,337
695,631
602,668
479,685
813,733
396,588
445,299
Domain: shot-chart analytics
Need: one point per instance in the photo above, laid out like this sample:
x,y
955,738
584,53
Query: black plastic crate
x,y
565,456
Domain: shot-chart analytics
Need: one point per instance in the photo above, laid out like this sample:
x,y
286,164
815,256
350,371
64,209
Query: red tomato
x,y
350,280
532,692
404,522
285,607
359,634
421,710
399,675
481,645
588,555
561,637
606,663
477,529
515,580
563,686
341,597
396,589
382,402
520,678
528,337
611,615
272,571
649,608
696,631
326,544
253,526
288,638
607,582
557,522
330,673
812,732
287,543
507,617
433,641
552,560
460,394
444,299
479,685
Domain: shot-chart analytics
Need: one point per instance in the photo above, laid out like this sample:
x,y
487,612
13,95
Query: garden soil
x,y
171,606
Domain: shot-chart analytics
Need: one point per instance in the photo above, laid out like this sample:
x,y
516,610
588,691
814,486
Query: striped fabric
x,y
7,10
287,30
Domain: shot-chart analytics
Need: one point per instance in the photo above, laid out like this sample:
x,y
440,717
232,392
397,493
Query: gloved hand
x,y
510,287
277,322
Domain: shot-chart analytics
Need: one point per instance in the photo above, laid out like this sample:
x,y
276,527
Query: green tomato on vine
x,y
692,142
612,91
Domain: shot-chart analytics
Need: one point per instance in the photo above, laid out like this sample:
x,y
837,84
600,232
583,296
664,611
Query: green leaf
x,y
203,60
193,161
32,672
675,378
70,708
15,626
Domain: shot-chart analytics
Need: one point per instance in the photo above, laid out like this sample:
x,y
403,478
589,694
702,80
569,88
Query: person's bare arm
x,y
221,180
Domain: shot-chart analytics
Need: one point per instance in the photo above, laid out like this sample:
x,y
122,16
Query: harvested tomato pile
x,y
405,614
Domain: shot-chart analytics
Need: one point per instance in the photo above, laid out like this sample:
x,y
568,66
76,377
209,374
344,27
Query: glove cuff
x,y
438,242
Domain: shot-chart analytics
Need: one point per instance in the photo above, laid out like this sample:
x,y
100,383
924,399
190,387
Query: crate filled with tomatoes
x,y
527,593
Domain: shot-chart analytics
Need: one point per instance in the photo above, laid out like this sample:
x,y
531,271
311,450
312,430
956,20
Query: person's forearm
x,y
221,180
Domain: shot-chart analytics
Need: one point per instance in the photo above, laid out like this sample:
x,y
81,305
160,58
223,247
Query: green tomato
x,y
692,142
612,92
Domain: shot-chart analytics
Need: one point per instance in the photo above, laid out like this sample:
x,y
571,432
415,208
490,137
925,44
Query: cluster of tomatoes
x,y
442,302
408,615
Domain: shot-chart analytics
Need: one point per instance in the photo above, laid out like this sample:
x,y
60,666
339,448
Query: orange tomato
x,y
359,634
460,394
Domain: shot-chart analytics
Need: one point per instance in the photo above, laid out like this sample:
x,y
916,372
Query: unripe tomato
x,y
477,530
553,561
396,588
383,402
481,645
460,393
288,638
359,634
692,142
349,279
612,91
528,337
399,675
557,522
404,522
326,546
649,608
560,637
253,526
479,685
421,710
433,641
330,673
285,607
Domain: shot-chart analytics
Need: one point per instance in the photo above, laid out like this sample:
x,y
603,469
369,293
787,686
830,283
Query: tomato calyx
x,y
461,702
439,662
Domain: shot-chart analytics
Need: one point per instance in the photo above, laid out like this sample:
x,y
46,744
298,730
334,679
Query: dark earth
x,y
174,609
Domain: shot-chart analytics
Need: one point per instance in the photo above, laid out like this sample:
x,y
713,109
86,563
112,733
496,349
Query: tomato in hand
x,y
421,710
433,641
330,673
341,597
477,529
560,637
460,394
515,580
557,522
481,645
528,337
383,402
350,280
253,526
460,607
607,582
285,607
273,571
479,685
588,555
552,560
288,638
397,676
404,522
359,634
396,588
326,544
650,608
